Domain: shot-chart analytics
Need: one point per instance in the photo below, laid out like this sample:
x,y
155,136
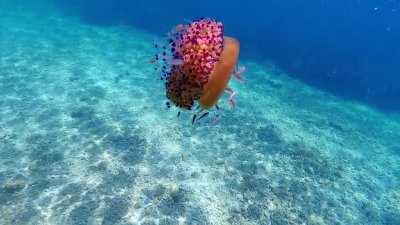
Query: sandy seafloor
x,y
85,138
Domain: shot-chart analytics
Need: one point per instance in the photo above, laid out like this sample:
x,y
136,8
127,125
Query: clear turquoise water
x,y
85,138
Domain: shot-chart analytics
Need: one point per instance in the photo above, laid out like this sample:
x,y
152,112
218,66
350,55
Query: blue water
x,y
347,47
86,138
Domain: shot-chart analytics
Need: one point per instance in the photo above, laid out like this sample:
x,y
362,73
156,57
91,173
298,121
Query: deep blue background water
x,y
349,47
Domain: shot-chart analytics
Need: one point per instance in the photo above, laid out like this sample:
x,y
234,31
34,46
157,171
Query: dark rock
x,y
248,168
337,126
82,215
26,215
270,134
100,167
370,210
280,218
95,126
9,152
97,92
124,141
66,203
171,206
254,184
155,192
48,114
2,177
91,95
120,179
391,218
274,84
395,149
73,78
71,189
195,216
148,222
14,186
313,162
253,211
115,209
83,113
167,221
195,175
37,187
48,158
130,145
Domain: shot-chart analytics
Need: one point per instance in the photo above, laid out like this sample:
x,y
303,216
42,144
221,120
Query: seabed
x,y
85,138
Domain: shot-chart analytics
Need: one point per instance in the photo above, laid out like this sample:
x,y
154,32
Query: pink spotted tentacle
x,y
215,120
238,73
231,97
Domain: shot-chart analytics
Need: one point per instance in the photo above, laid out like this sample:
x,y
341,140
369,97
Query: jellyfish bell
x,y
221,74
197,64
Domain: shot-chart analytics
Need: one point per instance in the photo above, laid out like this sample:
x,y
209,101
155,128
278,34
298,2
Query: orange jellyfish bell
x,y
198,63
220,76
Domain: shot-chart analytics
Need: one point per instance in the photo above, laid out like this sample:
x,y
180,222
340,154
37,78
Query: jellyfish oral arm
x,y
231,97
238,73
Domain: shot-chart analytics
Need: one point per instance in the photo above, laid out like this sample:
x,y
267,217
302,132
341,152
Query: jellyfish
x,y
197,64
